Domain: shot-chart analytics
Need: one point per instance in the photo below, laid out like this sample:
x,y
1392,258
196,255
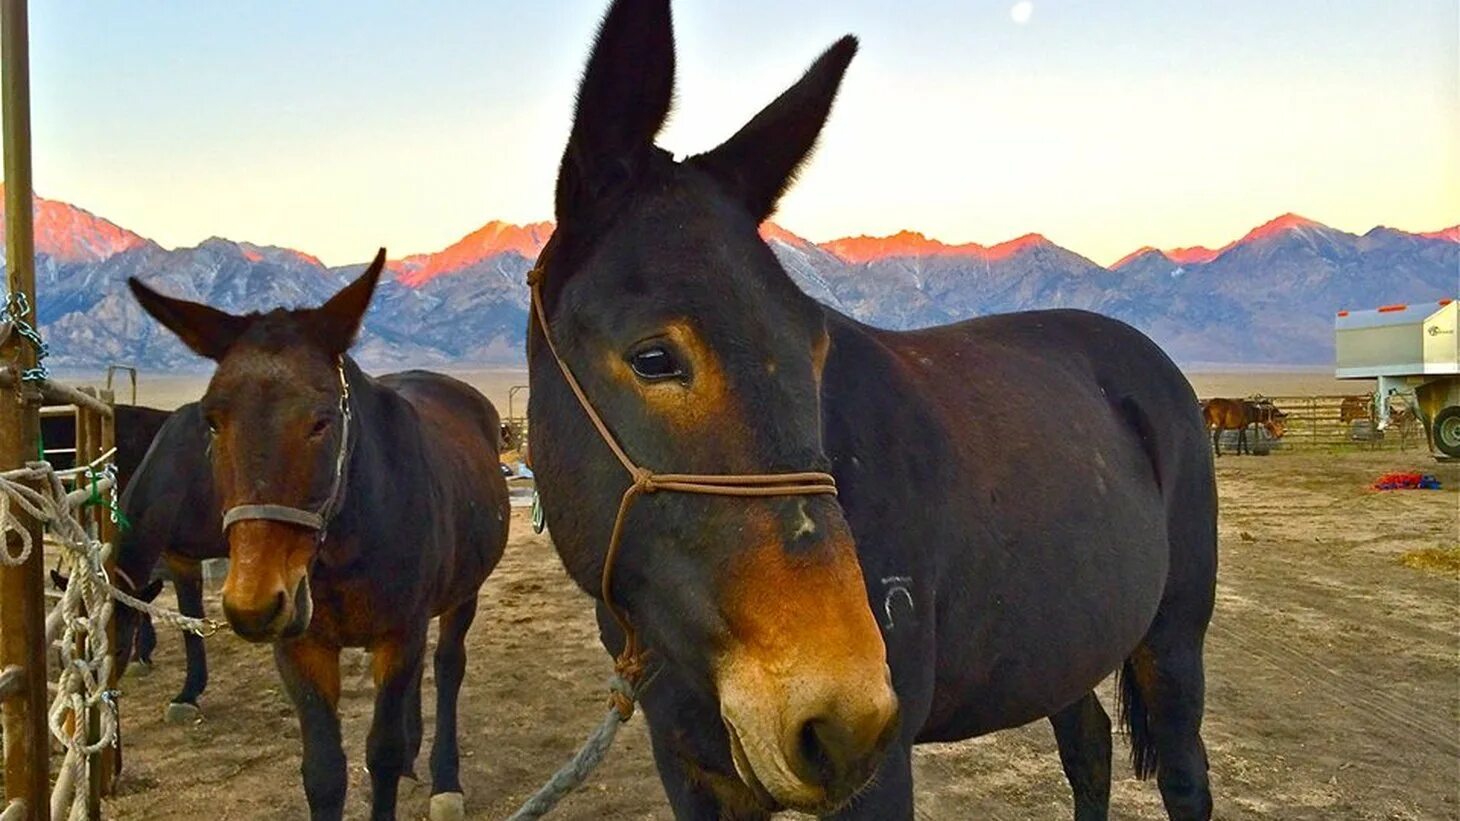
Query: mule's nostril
x,y
830,753
816,760
840,753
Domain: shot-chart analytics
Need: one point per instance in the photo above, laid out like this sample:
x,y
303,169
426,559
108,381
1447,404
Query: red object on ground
x,y
1405,481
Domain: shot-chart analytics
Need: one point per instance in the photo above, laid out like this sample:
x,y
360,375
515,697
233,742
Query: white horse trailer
x,y
1414,352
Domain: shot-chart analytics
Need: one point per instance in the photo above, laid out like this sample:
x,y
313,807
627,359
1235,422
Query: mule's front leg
x,y
311,673
396,663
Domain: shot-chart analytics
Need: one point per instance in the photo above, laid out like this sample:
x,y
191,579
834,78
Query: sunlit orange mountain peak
x,y
1283,224
494,238
1194,255
69,234
771,231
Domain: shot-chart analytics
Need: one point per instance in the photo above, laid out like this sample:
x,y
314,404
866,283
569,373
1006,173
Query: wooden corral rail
x,y
1321,422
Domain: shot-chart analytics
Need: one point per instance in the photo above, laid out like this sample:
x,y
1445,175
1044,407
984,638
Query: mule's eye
x,y
321,425
212,426
655,363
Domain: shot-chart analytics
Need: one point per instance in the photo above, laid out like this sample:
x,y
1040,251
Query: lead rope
x,y
629,665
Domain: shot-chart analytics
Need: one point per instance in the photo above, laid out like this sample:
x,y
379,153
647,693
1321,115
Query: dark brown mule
x,y
356,509
136,427
1221,415
980,568
173,513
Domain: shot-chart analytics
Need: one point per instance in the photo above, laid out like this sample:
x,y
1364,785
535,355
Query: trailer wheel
x,y
1447,431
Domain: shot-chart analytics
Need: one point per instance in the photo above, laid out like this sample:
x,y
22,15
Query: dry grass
x,y
1438,559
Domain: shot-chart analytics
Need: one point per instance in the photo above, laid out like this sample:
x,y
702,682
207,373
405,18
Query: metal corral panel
x,y
1397,340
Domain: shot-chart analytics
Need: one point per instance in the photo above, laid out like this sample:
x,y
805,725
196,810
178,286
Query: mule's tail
x,y
1131,711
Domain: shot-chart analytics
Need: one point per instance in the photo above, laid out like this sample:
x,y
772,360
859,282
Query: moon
x,y
1021,12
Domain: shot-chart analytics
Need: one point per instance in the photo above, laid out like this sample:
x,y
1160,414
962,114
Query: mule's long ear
x,y
760,161
208,331
337,321
622,103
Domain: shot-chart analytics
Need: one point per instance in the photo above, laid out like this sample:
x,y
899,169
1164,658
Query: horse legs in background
x,y
447,802
311,674
1082,731
187,581
1217,439
146,640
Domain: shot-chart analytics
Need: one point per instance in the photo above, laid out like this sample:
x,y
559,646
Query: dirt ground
x,y
1333,685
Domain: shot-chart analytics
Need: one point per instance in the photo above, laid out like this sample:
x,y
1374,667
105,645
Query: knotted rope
x,y
85,607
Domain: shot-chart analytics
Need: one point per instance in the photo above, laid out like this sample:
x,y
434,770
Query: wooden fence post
x,y
22,603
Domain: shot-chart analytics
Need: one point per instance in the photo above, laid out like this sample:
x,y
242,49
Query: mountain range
x,y
1267,298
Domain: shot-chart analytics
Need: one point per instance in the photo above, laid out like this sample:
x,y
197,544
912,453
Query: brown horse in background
x,y
1356,408
1223,415
1361,407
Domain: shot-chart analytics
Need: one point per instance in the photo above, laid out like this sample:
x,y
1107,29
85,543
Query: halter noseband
x,y
630,661
318,519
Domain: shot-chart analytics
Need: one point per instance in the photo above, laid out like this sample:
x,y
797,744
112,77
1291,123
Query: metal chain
x,y
15,311
109,471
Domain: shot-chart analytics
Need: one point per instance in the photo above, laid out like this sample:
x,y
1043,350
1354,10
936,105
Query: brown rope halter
x,y
630,661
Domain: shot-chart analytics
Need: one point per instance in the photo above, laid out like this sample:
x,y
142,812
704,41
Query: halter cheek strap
x,y
317,520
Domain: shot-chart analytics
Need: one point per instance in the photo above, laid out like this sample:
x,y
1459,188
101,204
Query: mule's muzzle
x,y
281,616
818,750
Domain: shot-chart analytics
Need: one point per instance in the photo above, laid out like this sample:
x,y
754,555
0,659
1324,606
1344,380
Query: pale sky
x,y
336,127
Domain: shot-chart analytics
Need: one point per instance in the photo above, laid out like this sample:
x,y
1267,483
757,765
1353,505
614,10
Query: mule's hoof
x,y
448,806
179,712
140,669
